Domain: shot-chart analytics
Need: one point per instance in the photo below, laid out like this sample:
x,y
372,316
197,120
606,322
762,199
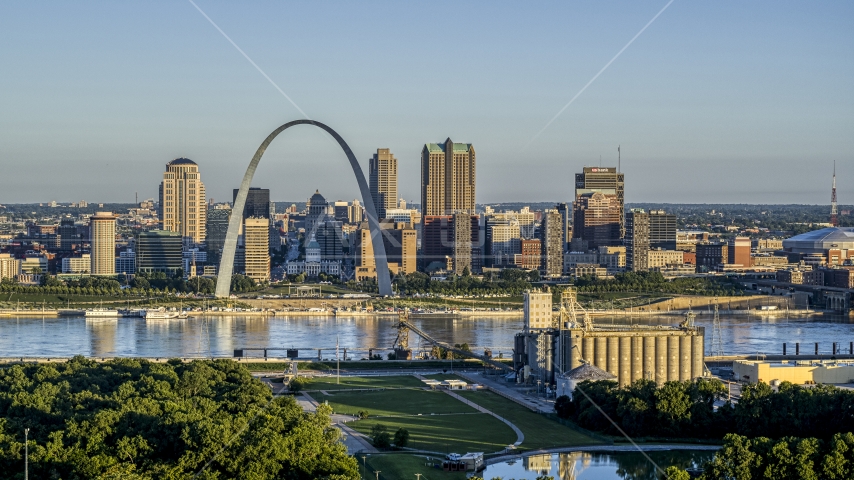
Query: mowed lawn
x,y
461,433
380,381
396,466
436,422
539,430
393,402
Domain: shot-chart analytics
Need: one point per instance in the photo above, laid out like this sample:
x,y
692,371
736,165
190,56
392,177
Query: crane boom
x,y
405,324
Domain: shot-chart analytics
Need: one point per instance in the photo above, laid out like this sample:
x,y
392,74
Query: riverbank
x,y
274,313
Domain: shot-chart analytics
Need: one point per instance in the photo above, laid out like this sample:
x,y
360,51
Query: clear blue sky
x,y
719,102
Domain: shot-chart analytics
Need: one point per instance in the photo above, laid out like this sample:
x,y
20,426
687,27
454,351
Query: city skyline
x,y
715,95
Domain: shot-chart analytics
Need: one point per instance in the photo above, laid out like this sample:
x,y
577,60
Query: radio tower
x,y
833,219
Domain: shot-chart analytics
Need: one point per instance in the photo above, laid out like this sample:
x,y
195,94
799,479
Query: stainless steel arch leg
x,y
226,265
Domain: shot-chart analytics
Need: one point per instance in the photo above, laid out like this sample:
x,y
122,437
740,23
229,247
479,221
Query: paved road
x,y
353,440
511,390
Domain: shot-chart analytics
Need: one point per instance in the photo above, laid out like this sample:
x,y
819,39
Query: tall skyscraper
x,y
565,211
102,231
257,202
552,242
216,230
462,235
637,240
383,179
183,206
447,178
605,180
596,219
256,232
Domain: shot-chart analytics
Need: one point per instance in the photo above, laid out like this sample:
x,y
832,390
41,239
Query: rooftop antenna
x,y
833,220
618,159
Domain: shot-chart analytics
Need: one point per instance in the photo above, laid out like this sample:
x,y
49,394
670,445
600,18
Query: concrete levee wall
x,y
702,303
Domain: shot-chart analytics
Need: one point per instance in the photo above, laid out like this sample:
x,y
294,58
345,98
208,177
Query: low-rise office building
x,y
798,372
81,264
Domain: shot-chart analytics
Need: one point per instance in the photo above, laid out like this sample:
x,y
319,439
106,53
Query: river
x,y
36,336
597,465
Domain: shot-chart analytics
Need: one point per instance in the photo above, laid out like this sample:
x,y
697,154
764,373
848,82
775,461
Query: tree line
x,y
686,409
143,284
787,458
654,282
794,432
134,419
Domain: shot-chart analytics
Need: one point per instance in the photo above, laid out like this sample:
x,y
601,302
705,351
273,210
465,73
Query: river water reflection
x,y
34,336
595,465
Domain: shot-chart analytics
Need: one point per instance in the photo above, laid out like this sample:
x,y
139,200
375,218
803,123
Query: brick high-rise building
x,y
383,181
531,256
597,219
605,180
102,228
447,178
183,206
738,251
710,255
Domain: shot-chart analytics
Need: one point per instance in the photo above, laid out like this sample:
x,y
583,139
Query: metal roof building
x,y
819,241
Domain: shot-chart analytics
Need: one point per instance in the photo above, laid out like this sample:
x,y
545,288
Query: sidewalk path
x,y
353,440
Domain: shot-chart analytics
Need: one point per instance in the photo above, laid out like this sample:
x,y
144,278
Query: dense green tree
x,y
563,406
676,473
401,437
380,436
134,419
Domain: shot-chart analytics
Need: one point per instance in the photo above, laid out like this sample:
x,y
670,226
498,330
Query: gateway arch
x,y
226,265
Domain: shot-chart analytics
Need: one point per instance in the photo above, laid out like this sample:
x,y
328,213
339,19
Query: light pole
x,y
363,466
377,472
26,453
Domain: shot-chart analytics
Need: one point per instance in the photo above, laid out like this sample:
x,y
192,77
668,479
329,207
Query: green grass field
x,y
461,433
539,430
396,466
435,421
394,381
394,402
